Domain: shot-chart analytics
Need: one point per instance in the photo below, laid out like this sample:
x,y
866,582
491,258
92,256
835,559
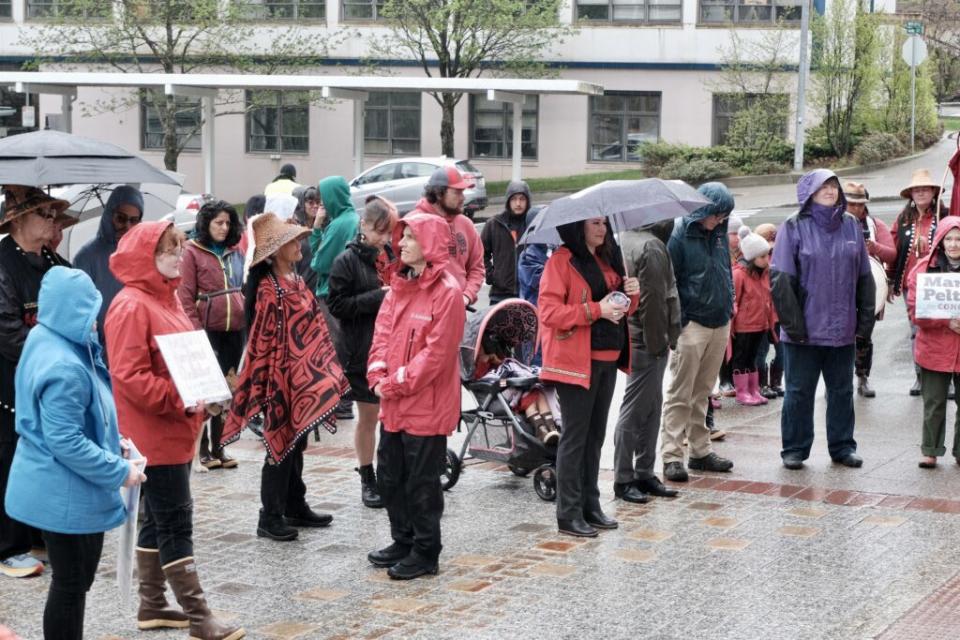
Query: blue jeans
x,y
803,366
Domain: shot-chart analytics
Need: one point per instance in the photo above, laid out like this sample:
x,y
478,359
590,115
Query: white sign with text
x,y
194,367
938,296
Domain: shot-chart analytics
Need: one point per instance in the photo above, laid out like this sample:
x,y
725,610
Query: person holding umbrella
x,y
585,297
29,217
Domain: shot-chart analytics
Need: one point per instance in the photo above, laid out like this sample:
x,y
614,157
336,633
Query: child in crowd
x,y
539,404
753,316
771,376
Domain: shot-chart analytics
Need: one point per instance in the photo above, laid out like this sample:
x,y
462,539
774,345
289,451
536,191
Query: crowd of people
x,y
311,306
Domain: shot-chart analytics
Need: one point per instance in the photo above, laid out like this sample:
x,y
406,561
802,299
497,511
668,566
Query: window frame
x,y
729,116
611,20
624,114
736,5
391,139
295,5
376,8
9,5
145,105
506,113
250,107
56,14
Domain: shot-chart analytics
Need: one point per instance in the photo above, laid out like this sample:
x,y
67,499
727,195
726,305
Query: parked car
x,y
401,180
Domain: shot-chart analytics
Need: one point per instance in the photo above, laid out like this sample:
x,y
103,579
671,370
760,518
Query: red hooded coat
x,y
416,341
149,409
753,309
465,250
937,346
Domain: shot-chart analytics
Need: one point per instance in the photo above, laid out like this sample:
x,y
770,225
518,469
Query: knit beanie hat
x,y
753,246
743,232
734,223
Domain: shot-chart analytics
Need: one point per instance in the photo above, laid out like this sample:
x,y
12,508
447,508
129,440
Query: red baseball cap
x,y
448,177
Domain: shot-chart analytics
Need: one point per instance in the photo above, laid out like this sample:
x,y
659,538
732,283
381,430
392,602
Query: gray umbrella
x,y
43,158
627,204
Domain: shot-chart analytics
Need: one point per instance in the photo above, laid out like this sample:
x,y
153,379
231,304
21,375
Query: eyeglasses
x,y
121,218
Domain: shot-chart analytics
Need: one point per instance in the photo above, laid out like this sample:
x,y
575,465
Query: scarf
x,y
290,376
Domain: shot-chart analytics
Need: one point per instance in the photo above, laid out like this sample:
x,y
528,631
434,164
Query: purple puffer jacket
x,y
820,272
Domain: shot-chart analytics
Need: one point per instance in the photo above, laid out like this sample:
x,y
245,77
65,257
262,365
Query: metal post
x,y
66,112
913,92
357,137
804,70
517,141
208,144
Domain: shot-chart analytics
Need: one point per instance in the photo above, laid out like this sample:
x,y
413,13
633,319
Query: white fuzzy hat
x,y
744,232
734,223
753,246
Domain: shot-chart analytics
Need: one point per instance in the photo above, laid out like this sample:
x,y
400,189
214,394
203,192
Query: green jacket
x,y
343,225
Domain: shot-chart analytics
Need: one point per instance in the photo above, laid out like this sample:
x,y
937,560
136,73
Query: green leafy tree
x,y
467,38
846,74
170,36
894,113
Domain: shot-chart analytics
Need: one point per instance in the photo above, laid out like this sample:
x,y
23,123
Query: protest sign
x,y
938,296
194,367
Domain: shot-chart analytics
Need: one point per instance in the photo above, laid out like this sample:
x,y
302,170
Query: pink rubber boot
x,y
741,382
755,387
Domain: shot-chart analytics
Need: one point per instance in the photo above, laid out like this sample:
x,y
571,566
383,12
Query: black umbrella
x,y
43,158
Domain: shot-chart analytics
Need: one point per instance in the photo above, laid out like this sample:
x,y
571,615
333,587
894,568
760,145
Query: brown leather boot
x,y
154,612
183,579
543,432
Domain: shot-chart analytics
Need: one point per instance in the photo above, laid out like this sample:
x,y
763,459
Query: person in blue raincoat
x,y
824,294
68,468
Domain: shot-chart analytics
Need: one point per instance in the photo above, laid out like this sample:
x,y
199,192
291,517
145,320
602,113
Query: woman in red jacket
x,y
937,347
753,316
151,414
211,275
584,340
413,369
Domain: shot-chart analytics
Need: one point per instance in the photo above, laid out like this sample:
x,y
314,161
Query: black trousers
x,y
15,537
74,560
745,349
282,491
584,428
408,473
228,347
167,523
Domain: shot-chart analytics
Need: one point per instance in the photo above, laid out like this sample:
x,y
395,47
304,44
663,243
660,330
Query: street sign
x,y
914,27
914,51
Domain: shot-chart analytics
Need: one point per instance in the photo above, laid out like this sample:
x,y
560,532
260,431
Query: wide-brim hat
x,y
856,193
921,178
19,200
270,233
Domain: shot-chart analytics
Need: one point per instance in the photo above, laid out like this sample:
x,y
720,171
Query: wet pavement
x,y
762,552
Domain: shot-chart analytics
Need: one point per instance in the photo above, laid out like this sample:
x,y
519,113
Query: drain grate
x,y
936,617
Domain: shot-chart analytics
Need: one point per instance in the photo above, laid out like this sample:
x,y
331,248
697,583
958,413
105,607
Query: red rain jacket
x,y
465,250
937,346
753,310
149,409
416,340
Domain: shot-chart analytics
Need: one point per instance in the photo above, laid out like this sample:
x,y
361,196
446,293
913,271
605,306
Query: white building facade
x,y
658,61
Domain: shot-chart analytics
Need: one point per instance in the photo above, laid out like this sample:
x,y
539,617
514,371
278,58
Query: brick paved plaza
x,y
762,553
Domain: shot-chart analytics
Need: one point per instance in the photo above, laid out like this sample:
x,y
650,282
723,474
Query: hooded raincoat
x,y
464,248
937,346
148,404
823,289
416,341
67,471
701,262
500,252
655,327
94,256
327,243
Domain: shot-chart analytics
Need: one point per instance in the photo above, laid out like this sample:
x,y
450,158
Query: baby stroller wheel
x,y
451,471
523,472
545,482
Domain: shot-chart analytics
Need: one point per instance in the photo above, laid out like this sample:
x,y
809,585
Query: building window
x,y
620,121
68,8
492,128
362,9
749,11
726,107
278,121
306,10
640,11
6,9
187,117
391,123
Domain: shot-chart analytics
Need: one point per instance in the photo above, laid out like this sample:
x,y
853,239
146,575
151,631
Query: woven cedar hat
x,y
856,193
270,233
921,178
20,200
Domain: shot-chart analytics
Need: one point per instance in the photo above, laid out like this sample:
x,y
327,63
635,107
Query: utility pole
x,y
804,71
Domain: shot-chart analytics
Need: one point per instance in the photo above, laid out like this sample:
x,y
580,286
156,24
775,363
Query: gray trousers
x,y
635,440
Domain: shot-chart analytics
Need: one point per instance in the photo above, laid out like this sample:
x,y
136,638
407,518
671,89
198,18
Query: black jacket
x,y
20,276
354,298
500,247
655,326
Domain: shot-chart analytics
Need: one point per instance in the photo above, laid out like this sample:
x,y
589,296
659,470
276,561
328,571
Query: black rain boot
x,y
765,389
776,379
368,487
207,460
